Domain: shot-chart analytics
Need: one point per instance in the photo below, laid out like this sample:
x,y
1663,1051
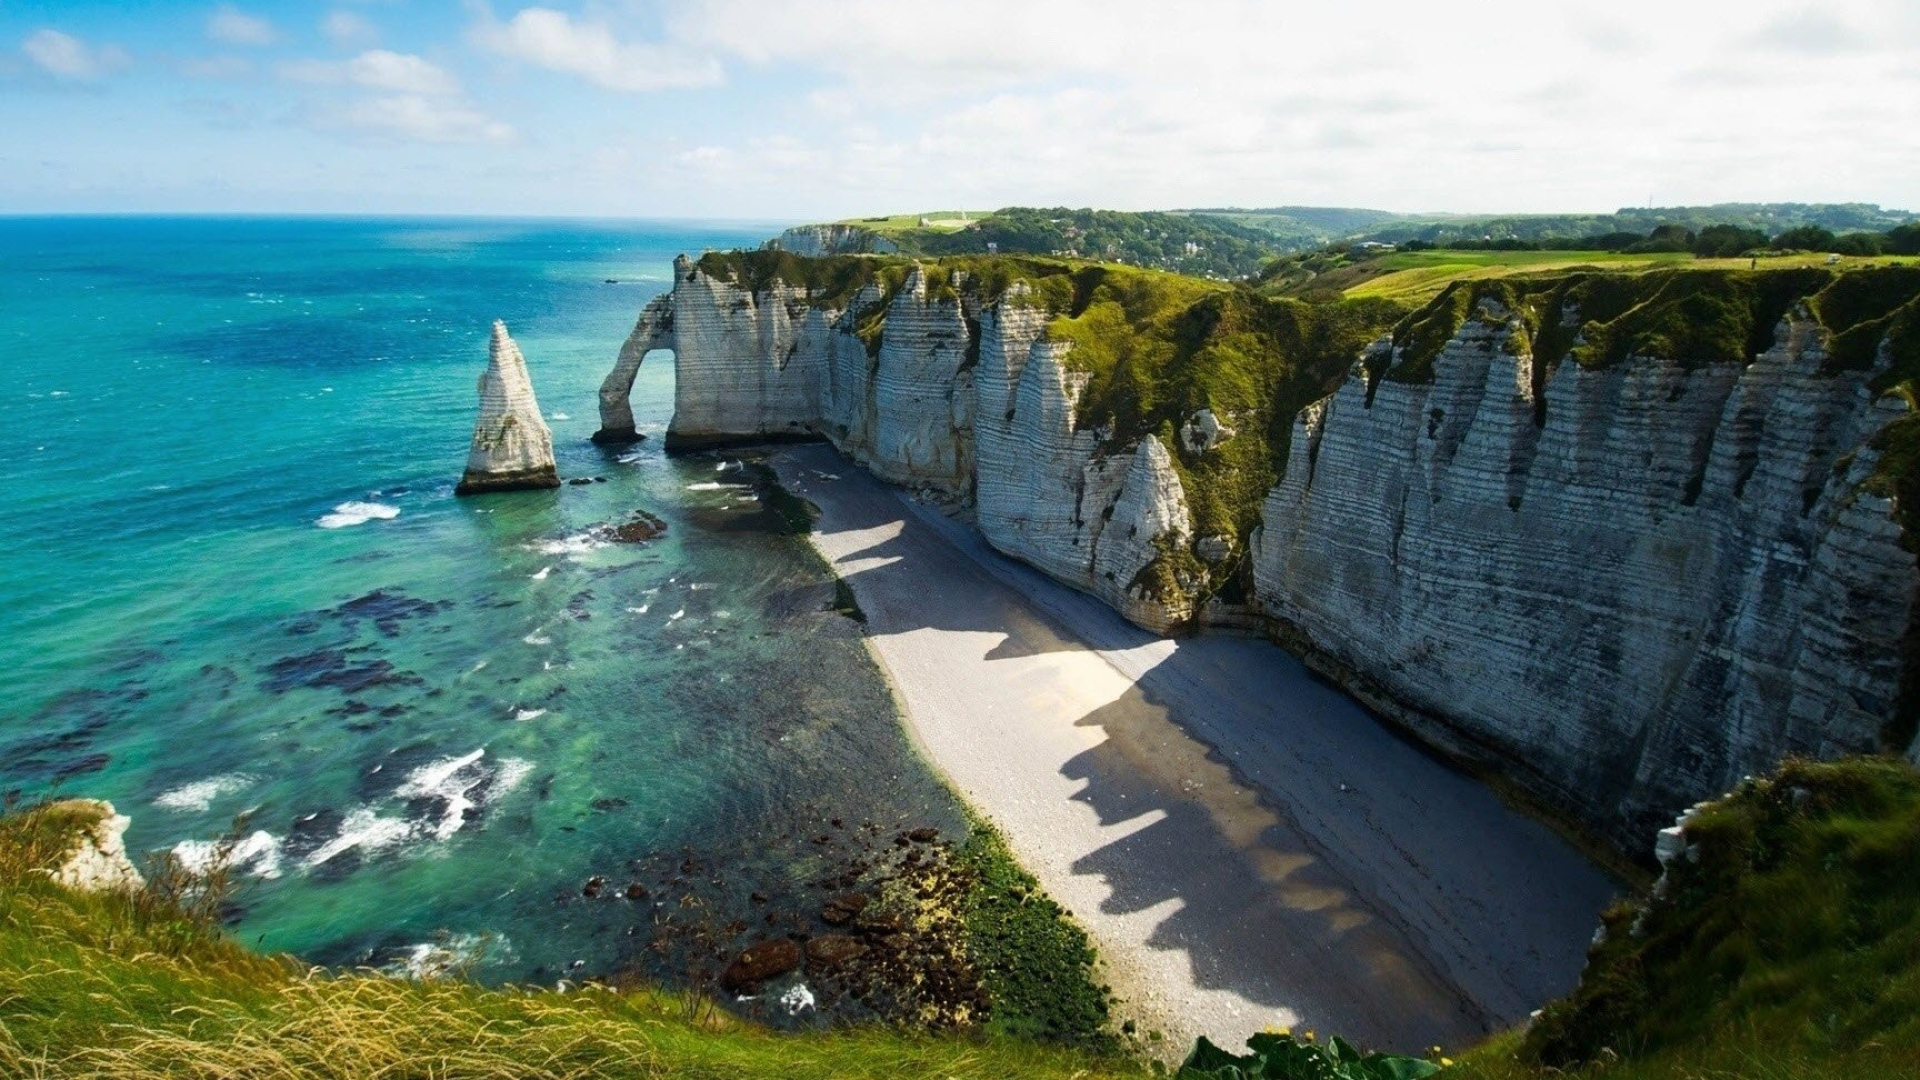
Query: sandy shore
x,y
1246,845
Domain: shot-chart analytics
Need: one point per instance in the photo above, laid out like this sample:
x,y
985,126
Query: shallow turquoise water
x,y
438,724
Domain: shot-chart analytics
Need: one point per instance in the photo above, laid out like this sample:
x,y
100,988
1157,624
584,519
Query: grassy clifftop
x,y
1783,945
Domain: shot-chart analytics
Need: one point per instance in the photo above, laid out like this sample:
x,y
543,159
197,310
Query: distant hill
x,y
1289,224
1233,243
1200,245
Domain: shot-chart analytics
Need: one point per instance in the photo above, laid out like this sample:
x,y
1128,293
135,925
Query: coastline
x,y
1246,846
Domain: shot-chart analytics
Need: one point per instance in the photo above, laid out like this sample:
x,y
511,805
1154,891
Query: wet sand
x,y
1247,846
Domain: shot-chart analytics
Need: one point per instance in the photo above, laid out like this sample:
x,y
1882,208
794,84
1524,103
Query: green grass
x,y
1415,277
1788,947
130,986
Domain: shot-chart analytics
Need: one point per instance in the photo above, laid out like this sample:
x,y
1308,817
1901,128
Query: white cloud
x,y
552,39
231,26
347,29
415,118
378,69
64,56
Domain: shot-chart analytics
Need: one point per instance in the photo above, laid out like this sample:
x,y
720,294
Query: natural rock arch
x,y
653,332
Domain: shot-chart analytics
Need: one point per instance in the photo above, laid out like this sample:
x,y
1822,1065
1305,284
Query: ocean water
x,y
242,601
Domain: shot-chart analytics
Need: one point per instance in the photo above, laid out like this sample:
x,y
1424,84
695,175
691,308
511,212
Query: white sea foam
x,y
681,614
512,773
528,714
537,638
797,999
561,416
257,853
438,959
577,544
641,610
454,782
542,575
450,779
199,795
365,829
715,485
357,513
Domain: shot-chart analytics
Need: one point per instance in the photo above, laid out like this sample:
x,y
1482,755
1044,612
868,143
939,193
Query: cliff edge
x,y
1621,538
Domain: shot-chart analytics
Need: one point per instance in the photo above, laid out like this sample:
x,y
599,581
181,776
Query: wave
x,y
439,959
577,544
357,513
524,715
199,795
715,485
542,575
257,854
561,416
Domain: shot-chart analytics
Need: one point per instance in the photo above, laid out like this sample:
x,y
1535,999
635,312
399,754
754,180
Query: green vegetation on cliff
x,y
1157,347
1784,943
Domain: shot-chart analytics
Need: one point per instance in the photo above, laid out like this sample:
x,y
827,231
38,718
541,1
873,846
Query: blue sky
x,y
754,109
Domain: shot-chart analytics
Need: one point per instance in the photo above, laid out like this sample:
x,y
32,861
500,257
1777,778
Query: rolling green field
x,y
891,224
1415,277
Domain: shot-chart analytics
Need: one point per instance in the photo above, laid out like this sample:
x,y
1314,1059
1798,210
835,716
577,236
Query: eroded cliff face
x,y
1624,584
976,408
1671,581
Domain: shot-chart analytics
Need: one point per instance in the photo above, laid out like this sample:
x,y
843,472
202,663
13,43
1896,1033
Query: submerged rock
x,y
512,448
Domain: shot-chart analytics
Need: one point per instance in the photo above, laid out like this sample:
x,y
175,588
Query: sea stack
x,y
512,448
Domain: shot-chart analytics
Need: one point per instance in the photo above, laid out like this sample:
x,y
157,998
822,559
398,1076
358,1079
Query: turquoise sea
x,y
242,601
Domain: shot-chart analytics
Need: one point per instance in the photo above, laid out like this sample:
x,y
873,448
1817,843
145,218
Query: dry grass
x,y
130,985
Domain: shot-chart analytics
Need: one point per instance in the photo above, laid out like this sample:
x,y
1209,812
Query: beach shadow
x,y
1319,867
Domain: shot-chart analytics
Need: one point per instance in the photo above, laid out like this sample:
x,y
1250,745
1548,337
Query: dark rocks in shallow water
x,y
594,886
841,910
387,610
333,668
89,763
613,803
760,962
636,891
829,952
580,481
643,527
924,835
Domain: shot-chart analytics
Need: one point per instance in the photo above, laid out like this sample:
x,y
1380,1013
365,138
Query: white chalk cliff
x,y
512,448
1626,588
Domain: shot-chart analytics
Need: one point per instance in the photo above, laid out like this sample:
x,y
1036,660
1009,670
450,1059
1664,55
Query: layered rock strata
x,y
1672,581
1625,585
512,448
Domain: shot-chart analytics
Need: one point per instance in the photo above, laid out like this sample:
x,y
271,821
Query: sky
x,y
749,109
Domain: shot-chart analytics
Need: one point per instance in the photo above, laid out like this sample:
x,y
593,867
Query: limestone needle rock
x,y
512,448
